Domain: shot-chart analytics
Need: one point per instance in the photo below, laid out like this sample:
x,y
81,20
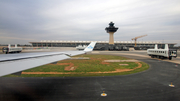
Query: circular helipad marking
x,y
71,68
123,64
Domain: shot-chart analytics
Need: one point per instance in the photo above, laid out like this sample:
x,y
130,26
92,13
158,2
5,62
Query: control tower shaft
x,y
111,30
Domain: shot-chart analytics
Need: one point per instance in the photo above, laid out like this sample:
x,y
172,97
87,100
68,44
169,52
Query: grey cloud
x,y
86,20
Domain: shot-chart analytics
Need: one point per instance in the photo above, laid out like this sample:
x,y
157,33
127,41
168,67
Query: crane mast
x,y
135,39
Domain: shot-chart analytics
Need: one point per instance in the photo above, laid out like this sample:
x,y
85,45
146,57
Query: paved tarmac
x,y
150,85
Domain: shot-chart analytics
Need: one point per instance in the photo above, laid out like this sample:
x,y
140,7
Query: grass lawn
x,y
94,64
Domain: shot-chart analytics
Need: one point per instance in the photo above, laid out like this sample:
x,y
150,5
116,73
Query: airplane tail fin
x,y
90,47
166,46
9,45
155,47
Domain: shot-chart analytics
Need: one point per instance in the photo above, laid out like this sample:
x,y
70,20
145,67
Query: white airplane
x,y
13,63
162,53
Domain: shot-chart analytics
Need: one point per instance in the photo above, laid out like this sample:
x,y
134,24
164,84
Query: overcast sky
x,y
24,21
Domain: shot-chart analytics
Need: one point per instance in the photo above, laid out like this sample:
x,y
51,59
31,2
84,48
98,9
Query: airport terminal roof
x,y
59,41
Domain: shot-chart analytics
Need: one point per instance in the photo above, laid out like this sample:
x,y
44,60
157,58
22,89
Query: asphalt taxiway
x,y
150,85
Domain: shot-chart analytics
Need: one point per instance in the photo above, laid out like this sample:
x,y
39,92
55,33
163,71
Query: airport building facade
x,y
45,43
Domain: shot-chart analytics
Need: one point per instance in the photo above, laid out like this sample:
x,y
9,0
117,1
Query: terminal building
x,y
45,43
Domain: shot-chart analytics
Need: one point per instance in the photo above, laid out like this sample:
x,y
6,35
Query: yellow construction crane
x,y
137,38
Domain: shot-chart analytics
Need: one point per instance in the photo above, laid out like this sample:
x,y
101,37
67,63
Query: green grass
x,y
47,68
92,65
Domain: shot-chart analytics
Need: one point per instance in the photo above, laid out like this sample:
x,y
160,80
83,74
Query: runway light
x,y
176,65
171,85
103,94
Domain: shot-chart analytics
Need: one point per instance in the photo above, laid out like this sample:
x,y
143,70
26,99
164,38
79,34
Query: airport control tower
x,y
111,30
